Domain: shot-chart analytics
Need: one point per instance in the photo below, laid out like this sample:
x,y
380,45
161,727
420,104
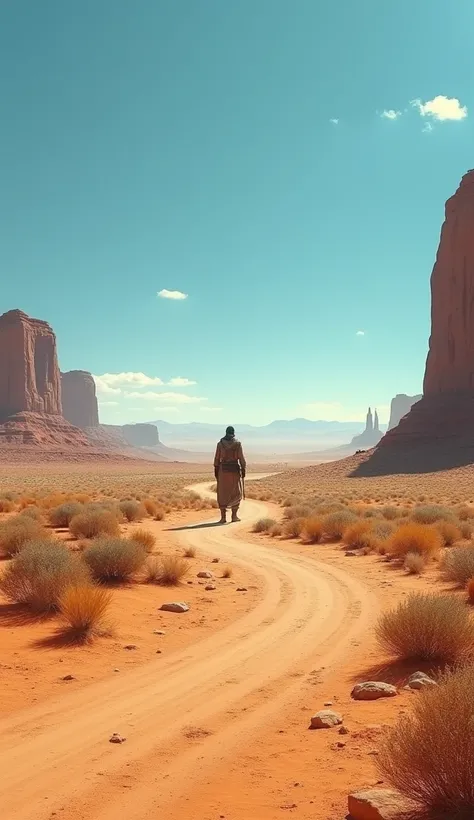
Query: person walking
x,y
229,470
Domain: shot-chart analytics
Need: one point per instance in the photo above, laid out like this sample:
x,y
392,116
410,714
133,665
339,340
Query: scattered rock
x,y
344,731
373,690
130,647
377,804
175,606
325,719
116,738
215,560
159,632
209,587
341,744
158,651
69,677
328,703
190,582
241,589
116,670
205,574
420,681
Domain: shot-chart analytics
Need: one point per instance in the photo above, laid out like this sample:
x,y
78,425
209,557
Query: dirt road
x,y
184,714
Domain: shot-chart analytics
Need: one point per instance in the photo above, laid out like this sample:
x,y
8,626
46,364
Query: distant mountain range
x,y
279,437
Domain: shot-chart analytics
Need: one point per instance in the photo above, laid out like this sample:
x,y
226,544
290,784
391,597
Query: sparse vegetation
x,y
415,563
458,564
84,608
144,537
93,523
434,628
336,523
313,529
429,755
168,570
415,538
358,535
264,525
114,559
61,516
132,510
18,531
431,513
39,574
449,531
190,552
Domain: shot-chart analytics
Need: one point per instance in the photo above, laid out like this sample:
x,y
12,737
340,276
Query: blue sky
x,y
188,146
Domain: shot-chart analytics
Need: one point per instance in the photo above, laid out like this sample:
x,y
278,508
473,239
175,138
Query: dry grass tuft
x,y
420,538
114,559
263,525
313,529
166,571
144,537
357,535
16,532
150,506
415,563
428,627
160,514
6,505
190,552
84,607
417,759
431,513
40,573
61,516
132,510
449,531
293,528
93,523
227,572
336,523
458,565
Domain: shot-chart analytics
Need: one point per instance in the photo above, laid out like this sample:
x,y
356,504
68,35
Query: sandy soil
x,y
216,725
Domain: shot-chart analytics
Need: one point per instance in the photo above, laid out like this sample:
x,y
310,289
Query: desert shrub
x,y
227,572
411,537
131,510
335,524
450,533
414,563
31,512
465,528
6,505
299,511
40,573
357,535
160,513
429,755
94,522
18,531
190,552
84,607
144,537
465,513
428,627
150,506
263,525
312,529
61,516
430,513
114,559
470,590
276,530
293,527
458,564
166,571
390,513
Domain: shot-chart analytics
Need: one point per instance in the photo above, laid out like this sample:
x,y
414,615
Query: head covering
x,y
230,431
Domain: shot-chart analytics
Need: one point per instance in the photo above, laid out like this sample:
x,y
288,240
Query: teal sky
x,y
191,145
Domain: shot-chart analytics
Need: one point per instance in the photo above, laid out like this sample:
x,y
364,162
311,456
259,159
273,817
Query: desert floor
x,y
216,710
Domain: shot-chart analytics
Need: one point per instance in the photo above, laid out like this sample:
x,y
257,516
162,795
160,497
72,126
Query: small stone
x,y
209,587
69,677
373,690
116,738
378,804
328,703
349,554
205,574
325,719
215,560
159,632
340,744
116,670
420,681
190,582
175,606
343,731
130,647
241,589
158,651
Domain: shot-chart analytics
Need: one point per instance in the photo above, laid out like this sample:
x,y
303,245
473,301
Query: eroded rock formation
x,y
29,371
141,435
400,405
79,399
371,434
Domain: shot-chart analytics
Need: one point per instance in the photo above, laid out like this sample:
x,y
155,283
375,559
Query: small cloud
x,y
334,121
178,381
360,333
173,398
427,128
112,382
391,114
177,295
441,108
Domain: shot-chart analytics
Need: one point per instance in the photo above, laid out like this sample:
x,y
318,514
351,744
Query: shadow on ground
x,y
427,458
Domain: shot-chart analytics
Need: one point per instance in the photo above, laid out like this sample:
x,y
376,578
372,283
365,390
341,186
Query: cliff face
x,y
29,371
79,399
400,405
450,362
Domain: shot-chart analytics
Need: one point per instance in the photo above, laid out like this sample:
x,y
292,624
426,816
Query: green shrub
x,y
114,559
61,516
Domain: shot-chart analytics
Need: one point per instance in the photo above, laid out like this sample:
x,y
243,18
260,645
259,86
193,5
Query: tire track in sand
x,y
56,756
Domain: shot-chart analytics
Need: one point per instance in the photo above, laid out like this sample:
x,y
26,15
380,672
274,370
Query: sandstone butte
x,y
79,399
445,413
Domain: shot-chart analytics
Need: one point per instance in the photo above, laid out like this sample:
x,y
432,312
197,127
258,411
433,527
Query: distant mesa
x,y
400,405
371,435
79,399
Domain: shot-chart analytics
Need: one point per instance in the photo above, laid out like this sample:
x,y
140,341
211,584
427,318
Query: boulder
x,y
420,681
325,719
175,606
79,399
378,804
373,690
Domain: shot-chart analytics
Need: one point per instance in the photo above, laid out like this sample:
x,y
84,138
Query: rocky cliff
x,y
79,399
29,371
400,405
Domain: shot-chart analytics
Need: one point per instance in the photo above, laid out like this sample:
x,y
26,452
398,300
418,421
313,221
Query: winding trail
x,y
185,713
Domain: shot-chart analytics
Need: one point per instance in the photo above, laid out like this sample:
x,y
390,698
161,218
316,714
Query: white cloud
x,y
334,121
153,395
102,386
391,114
441,108
178,381
112,382
172,294
360,333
